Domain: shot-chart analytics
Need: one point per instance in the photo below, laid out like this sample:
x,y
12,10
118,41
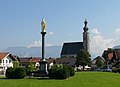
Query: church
x,y
71,49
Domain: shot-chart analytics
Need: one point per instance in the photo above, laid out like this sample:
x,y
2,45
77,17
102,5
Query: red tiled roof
x,y
35,60
3,54
50,60
29,59
24,59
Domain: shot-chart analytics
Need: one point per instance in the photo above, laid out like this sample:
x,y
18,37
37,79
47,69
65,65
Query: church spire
x,y
85,27
85,22
86,41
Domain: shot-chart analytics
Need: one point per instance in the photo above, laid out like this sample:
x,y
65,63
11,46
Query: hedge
x,y
116,70
15,73
72,71
61,72
10,73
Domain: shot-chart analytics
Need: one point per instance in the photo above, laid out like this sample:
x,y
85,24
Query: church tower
x,y
86,39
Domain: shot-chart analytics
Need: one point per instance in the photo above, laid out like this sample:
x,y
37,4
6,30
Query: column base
x,y
43,67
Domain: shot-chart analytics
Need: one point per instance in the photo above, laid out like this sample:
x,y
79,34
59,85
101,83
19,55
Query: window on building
x,y
0,61
9,61
23,64
6,61
3,61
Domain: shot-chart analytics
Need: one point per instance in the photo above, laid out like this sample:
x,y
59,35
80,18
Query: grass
x,y
81,79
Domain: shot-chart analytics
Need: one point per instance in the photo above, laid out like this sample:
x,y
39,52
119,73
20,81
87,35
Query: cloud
x,y
95,31
117,31
51,33
117,36
36,43
99,43
49,44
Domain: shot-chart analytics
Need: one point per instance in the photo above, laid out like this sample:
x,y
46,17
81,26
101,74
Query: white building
x,y
6,60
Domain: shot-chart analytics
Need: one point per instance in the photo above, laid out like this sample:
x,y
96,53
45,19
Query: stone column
x,y
43,45
43,62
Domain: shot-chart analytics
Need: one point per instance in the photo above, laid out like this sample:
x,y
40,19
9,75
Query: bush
x,y
15,73
53,72
10,73
20,73
72,71
61,72
64,73
116,70
29,69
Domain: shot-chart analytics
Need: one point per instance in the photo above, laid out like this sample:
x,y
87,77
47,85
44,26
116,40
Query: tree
x,y
15,64
83,58
30,68
99,62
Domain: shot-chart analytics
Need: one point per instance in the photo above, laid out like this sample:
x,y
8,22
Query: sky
x,y
20,22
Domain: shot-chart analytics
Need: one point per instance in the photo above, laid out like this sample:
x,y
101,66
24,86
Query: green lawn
x,y
81,79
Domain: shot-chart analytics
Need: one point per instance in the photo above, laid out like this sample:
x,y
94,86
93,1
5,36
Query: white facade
x,y
50,65
5,63
37,64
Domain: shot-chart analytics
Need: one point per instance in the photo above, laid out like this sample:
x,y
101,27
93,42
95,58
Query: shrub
x,y
15,73
116,70
29,69
61,72
53,72
119,70
72,71
64,72
20,73
10,73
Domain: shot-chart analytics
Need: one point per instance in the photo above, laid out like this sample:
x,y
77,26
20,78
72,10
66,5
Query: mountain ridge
x,y
50,51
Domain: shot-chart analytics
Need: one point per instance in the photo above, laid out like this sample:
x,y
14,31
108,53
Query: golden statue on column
x,y
43,25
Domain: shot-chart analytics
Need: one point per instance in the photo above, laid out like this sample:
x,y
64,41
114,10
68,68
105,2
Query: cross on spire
x,y
85,22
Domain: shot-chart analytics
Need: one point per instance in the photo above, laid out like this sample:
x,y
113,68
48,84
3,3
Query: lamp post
x,y
43,62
